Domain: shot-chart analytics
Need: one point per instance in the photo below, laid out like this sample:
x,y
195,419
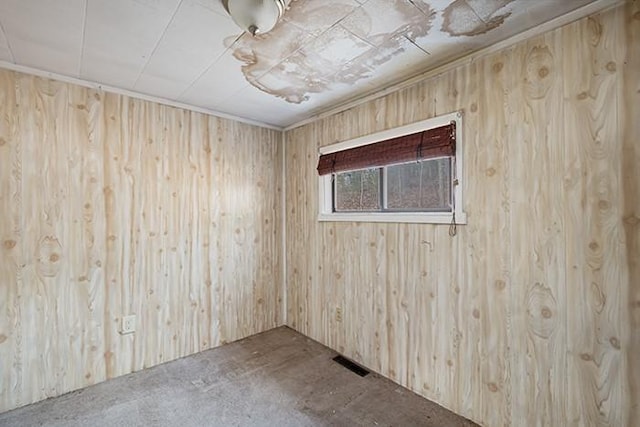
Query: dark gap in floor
x,y
352,366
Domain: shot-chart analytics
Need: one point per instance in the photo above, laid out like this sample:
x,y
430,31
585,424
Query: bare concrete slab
x,y
277,378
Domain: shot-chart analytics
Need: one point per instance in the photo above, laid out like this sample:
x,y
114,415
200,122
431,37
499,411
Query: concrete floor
x,y
277,378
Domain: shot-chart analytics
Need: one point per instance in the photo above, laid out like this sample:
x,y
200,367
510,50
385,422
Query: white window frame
x,y
325,192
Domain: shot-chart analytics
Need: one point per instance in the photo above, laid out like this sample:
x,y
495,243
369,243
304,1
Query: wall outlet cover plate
x,y
128,324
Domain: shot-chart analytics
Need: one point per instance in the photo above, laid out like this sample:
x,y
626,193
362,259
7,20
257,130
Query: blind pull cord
x,y
453,227
419,149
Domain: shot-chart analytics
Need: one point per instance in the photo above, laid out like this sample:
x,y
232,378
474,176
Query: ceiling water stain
x,y
315,17
474,17
318,45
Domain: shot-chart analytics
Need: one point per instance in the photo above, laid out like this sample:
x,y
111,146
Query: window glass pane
x,y
424,186
357,190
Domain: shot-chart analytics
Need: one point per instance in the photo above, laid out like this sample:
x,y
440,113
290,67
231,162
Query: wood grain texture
x,y
536,172
112,206
595,253
489,198
630,125
11,346
529,316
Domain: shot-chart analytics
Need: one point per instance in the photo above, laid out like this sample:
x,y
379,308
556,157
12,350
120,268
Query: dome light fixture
x,y
257,16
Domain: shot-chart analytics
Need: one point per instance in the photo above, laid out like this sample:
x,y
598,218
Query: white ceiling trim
x,y
582,12
132,94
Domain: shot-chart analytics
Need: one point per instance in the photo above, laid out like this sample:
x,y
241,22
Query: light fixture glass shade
x,y
256,16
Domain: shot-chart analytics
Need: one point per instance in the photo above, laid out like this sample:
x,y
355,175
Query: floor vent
x,y
356,369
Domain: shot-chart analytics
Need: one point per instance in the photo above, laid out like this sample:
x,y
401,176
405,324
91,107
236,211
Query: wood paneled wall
x,y
531,314
112,206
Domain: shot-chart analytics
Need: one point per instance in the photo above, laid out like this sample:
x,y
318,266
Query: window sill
x,y
399,217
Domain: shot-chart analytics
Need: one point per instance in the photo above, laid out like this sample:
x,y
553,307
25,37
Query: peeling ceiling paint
x,y
474,17
281,64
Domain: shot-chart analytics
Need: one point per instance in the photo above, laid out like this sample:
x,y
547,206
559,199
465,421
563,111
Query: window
x,y
407,174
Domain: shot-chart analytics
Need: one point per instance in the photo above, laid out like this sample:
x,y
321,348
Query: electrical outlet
x,y
128,324
338,314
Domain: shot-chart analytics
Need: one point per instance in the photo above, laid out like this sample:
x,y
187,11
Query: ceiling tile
x,y
315,17
5,52
398,57
161,86
513,18
251,102
336,46
317,67
542,11
429,6
45,34
194,40
461,20
488,10
257,55
380,20
296,78
213,5
219,82
121,36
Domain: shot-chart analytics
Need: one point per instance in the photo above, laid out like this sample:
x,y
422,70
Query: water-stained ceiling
x,y
322,53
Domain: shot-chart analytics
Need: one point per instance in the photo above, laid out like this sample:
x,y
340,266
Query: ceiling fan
x,y
256,16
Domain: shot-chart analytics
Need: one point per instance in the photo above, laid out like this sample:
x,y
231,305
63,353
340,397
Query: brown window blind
x,y
431,143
